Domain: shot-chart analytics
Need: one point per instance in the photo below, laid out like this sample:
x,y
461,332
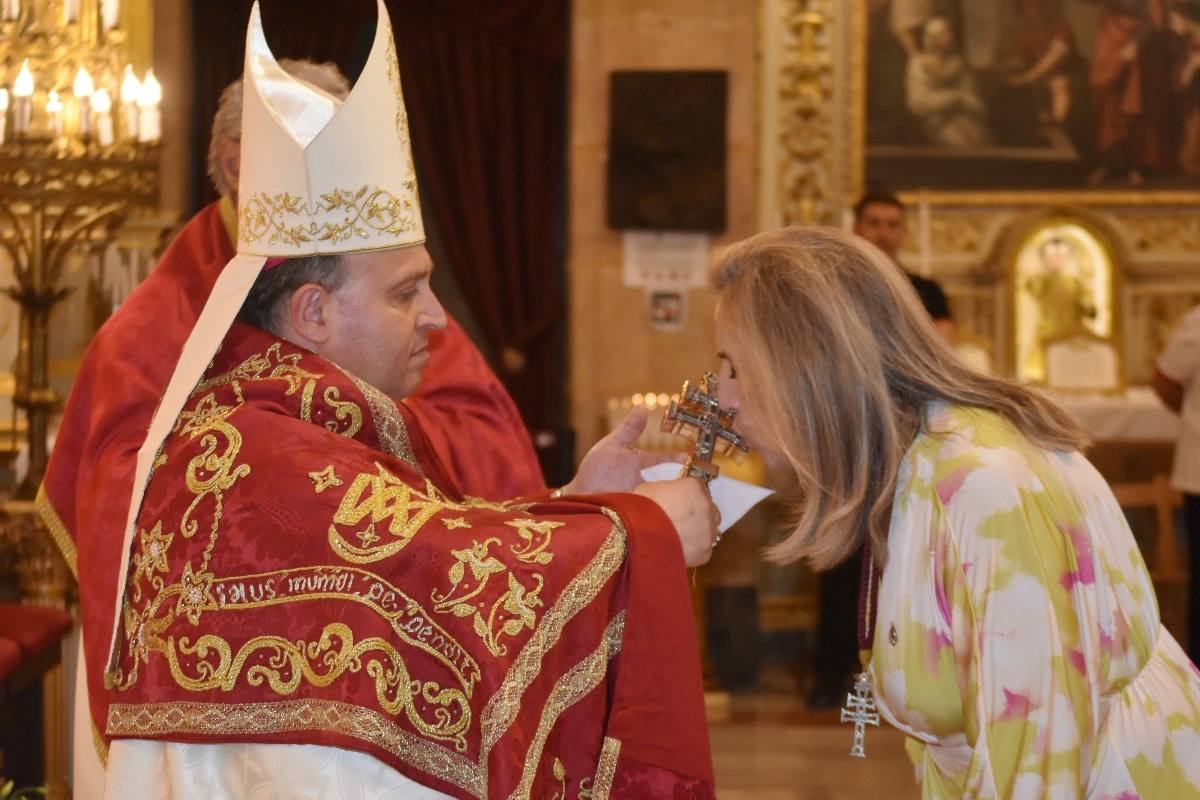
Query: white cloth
x,y
1134,415
140,769
1180,361
733,498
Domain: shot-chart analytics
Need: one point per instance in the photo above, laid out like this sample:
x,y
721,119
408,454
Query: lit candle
x,y
23,99
84,88
131,87
102,106
70,10
3,113
110,13
149,114
12,9
54,107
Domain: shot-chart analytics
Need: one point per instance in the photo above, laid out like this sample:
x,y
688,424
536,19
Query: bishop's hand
x,y
614,464
687,503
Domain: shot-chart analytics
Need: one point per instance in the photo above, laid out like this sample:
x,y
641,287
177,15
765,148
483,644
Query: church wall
x,y
614,351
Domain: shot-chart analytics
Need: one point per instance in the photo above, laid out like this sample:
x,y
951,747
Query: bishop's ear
x,y
308,313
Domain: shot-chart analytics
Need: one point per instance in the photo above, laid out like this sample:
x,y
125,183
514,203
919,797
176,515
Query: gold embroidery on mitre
x,y
365,213
455,523
394,80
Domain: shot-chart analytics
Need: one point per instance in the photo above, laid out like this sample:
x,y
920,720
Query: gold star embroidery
x,y
324,479
367,535
454,523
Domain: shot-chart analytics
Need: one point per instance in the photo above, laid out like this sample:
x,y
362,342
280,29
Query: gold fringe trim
x,y
58,531
101,745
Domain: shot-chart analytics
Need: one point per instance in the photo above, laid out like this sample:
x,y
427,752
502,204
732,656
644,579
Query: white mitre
x,y
317,176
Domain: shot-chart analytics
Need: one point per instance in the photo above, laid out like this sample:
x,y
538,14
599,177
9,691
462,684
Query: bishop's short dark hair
x,y
273,288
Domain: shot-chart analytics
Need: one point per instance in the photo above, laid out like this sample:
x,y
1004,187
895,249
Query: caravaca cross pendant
x,y
860,709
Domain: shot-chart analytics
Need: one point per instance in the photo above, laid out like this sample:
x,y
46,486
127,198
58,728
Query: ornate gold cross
x,y
698,416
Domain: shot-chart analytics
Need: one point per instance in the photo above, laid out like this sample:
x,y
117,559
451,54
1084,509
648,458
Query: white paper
x,y
733,498
665,259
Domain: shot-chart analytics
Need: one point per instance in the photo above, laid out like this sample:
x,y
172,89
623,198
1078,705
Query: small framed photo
x,y
667,309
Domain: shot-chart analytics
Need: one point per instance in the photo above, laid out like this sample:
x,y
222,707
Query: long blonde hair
x,y
837,360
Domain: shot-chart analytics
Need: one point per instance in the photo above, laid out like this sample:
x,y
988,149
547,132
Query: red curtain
x,y
485,86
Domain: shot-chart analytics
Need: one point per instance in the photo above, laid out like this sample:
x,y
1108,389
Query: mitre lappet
x,y
318,176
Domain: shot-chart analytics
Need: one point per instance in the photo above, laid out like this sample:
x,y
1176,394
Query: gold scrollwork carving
x,y
805,95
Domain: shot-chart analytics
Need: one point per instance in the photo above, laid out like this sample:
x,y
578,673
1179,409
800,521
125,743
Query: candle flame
x,y
23,85
101,102
131,87
84,86
53,103
151,92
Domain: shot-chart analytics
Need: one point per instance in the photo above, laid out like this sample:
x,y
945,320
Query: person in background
x,y
879,217
1177,382
1009,626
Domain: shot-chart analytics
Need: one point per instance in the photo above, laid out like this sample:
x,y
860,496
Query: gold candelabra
x,y
79,143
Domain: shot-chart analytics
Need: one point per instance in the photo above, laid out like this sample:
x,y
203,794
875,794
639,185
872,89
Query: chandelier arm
x,y
109,214
21,249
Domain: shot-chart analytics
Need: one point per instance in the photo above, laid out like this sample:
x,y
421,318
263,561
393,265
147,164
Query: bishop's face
x,y
381,317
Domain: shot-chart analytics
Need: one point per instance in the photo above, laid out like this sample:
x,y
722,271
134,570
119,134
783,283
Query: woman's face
x,y
729,395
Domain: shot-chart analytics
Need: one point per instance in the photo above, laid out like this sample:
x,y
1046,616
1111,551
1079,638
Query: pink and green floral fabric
x,y
1018,642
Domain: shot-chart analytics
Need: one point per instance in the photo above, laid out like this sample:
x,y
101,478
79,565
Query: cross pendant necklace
x,y
860,703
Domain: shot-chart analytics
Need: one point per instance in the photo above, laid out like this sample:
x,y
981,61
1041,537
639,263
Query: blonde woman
x,y
1017,640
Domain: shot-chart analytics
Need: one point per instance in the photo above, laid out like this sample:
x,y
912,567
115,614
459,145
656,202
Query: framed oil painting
x,y
1089,96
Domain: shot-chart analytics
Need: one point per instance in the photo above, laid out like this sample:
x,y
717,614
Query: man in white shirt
x,y
1177,382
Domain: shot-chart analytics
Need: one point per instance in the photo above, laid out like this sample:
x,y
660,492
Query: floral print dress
x,y
1018,642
